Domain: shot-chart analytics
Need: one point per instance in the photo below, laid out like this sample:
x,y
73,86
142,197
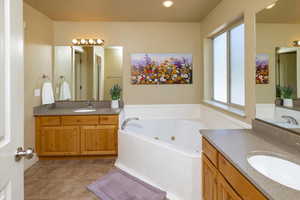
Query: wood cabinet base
x,y
222,181
77,137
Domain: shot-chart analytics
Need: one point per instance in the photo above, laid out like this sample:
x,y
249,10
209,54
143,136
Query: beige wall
x,y
270,36
38,61
226,12
146,37
113,69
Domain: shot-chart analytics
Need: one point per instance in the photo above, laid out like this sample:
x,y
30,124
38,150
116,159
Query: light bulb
x,y
168,4
271,6
75,41
297,43
91,41
83,41
99,41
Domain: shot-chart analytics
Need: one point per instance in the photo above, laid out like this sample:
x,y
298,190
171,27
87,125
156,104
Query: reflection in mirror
x,y
286,71
278,65
86,72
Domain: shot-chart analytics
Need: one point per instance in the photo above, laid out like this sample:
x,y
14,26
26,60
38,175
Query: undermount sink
x,y
285,172
84,110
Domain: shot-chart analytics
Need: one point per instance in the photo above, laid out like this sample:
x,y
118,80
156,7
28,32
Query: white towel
x,y
47,93
65,92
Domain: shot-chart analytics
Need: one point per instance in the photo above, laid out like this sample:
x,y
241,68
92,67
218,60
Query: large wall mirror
x,y
278,64
86,72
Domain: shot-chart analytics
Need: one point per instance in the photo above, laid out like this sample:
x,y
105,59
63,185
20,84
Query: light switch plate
x,y
37,92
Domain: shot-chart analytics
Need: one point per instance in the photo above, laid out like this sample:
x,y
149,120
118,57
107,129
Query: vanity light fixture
x,y
297,43
168,4
271,6
88,42
75,41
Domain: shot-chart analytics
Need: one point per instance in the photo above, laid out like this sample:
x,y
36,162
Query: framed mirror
x,y
86,72
278,64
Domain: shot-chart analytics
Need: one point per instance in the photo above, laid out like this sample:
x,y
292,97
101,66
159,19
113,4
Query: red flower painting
x,y
262,69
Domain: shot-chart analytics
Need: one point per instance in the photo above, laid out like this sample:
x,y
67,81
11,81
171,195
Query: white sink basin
x,y
84,110
277,169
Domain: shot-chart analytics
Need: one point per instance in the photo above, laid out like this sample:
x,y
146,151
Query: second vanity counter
x,y
69,108
237,145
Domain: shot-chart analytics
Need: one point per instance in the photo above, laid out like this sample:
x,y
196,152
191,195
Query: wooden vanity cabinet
x,y
58,136
59,141
225,191
222,181
99,140
209,179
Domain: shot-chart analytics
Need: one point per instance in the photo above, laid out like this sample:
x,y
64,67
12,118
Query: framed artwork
x,y
262,69
155,69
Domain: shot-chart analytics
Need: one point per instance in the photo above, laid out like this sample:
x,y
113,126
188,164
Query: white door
x,y
11,99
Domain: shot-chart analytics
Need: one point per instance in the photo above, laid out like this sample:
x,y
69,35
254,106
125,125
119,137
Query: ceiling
x,y
124,10
285,11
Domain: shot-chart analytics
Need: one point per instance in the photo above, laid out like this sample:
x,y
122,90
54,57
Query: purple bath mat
x,y
118,185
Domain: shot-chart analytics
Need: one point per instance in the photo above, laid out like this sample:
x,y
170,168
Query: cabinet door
x,y
59,141
209,179
225,191
99,140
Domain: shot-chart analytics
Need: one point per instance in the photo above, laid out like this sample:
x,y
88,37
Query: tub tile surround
x,y
210,116
238,145
273,113
68,107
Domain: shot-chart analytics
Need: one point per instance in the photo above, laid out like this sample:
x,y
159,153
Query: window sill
x,y
227,108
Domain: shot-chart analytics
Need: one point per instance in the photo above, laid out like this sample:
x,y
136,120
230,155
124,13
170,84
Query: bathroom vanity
x,y
229,155
63,132
222,181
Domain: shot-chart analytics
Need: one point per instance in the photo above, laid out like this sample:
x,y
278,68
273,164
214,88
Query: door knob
x,y
28,154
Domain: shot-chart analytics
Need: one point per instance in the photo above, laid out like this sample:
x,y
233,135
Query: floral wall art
x,y
262,69
154,69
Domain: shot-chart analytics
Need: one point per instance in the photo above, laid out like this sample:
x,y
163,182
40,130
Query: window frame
x,y
227,30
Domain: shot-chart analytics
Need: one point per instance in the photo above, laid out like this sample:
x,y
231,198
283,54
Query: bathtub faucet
x,y
290,119
126,121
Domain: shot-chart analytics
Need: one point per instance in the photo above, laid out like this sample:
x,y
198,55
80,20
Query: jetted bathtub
x,y
165,154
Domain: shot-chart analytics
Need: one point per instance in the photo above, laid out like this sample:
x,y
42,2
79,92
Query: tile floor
x,y
64,179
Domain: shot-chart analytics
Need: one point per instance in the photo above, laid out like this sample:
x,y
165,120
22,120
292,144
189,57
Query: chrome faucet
x,y
290,119
89,104
126,121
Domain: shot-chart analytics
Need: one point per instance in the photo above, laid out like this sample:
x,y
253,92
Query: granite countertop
x,y
238,145
68,108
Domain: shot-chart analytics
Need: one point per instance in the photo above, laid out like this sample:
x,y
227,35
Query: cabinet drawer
x,y
243,187
80,120
50,121
210,152
109,119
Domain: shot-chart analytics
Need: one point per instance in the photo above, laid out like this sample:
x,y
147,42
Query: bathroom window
x,y
228,66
